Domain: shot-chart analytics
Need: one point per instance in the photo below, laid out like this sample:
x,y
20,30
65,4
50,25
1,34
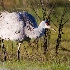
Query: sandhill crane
x,y
17,26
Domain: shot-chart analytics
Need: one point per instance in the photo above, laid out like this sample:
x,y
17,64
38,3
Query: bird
x,y
18,26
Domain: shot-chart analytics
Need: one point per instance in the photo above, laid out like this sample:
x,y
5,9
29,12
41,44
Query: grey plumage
x,y
16,26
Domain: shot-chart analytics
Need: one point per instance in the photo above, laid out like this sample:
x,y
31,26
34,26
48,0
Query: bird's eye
x,y
47,24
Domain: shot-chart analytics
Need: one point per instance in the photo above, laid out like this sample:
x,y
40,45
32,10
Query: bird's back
x,y
30,23
27,17
15,25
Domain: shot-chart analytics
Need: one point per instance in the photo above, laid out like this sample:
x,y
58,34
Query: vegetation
x,y
32,54
28,65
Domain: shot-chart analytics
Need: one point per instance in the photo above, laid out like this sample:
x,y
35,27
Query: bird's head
x,y
47,25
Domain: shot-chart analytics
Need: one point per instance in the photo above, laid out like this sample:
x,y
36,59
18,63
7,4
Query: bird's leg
x,y
0,43
4,49
12,50
18,54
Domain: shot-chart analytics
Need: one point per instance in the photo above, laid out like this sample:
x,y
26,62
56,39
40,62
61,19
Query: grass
x,y
32,56
28,65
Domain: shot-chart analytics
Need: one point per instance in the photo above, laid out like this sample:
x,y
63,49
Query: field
x,y
32,55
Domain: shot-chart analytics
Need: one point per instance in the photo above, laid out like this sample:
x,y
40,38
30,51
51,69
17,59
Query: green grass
x,y
28,65
32,56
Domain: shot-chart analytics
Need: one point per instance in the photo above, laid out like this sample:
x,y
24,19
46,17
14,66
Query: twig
x,y
43,10
35,11
61,25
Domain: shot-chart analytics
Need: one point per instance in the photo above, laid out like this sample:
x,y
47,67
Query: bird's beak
x,y
53,29
49,27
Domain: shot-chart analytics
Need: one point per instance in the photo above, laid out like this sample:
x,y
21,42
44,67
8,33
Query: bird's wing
x,y
29,23
28,19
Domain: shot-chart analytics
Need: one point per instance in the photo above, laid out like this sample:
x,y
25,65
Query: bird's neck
x,y
36,32
40,29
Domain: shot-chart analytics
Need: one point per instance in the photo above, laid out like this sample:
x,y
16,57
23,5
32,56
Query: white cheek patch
x,y
47,26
